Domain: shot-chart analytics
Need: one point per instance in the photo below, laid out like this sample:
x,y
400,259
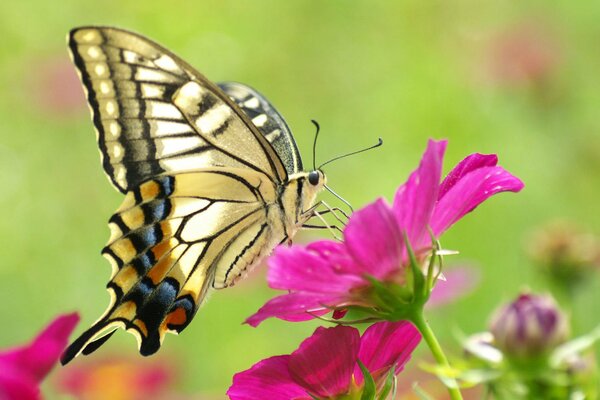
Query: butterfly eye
x,y
313,177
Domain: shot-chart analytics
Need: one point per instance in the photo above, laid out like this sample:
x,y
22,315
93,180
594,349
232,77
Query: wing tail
x,y
90,340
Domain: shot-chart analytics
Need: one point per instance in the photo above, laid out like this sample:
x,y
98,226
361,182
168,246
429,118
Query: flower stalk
x,y
418,319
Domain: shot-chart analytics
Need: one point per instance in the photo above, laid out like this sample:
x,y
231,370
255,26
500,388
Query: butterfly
x,y
212,178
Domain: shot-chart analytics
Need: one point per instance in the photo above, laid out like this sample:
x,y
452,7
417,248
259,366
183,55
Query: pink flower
x,y
524,53
328,275
457,282
326,364
23,368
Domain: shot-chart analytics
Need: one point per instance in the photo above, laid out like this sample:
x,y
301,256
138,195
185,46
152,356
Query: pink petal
x,y
38,358
469,192
415,200
295,307
384,345
323,364
459,282
373,239
267,379
14,385
469,164
337,255
296,268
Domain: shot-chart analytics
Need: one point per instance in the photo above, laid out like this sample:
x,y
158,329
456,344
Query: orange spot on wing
x,y
163,248
149,190
177,317
162,267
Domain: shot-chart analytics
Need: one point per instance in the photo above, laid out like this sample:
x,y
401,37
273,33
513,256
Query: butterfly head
x,y
301,191
310,184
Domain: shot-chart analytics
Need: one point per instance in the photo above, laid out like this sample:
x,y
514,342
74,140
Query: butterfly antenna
x,y
315,144
379,143
330,190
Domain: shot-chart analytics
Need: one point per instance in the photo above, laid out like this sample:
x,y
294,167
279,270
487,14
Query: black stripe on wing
x,y
268,121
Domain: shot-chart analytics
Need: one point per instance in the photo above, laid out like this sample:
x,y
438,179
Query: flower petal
x,y
295,307
296,268
38,358
373,239
267,379
469,164
459,282
16,386
473,189
323,363
415,200
384,345
337,255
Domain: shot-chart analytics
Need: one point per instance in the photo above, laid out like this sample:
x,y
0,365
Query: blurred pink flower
x,y
457,282
118,378
57,88
523,53
23,368
325,275
326,364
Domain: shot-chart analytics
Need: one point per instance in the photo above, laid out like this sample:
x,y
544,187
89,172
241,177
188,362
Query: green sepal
x,y
369,383
574,347
418,279
382,295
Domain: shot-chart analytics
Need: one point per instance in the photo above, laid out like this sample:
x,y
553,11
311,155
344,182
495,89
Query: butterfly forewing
x,y
268,120
132,84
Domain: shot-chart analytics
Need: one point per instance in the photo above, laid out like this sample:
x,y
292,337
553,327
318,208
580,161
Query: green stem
x,y
419,320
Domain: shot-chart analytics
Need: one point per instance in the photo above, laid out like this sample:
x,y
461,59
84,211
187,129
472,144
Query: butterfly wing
x,y
173,238
268,121
154,113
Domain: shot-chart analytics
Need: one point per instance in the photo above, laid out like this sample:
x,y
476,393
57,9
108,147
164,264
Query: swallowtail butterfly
x,y
211,174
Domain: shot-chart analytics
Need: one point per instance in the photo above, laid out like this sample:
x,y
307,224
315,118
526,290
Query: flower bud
x,y
566,253
530,326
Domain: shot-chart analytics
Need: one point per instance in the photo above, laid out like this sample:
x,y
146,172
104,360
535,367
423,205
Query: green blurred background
x,y
521,79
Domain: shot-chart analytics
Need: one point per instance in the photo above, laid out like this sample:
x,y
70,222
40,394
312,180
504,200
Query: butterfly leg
x,y
328,210
334,211
331,228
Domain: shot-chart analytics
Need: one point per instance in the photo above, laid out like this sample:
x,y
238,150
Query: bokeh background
x,y
521,79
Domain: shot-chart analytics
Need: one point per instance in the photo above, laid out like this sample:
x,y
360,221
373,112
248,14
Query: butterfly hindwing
x,y
172,239
133,85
